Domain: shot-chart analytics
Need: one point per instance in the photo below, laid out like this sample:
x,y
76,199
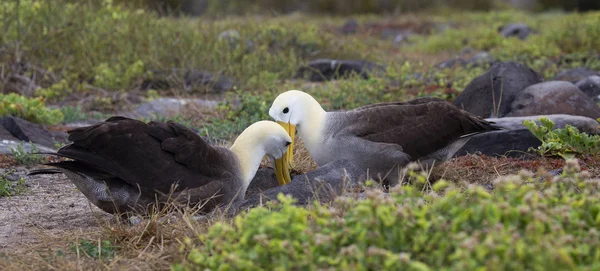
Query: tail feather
x,y
44,171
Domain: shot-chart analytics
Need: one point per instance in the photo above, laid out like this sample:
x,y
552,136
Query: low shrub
x,y
528,223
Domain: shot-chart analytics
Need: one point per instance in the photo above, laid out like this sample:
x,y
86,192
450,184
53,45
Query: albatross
x,y
125,165
380,138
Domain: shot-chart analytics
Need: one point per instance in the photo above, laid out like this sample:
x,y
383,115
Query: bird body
x,y
125,165
381,137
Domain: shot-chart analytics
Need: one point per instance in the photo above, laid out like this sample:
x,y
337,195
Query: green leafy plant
x,y
99,250
31,109
11,188
24,157
563,142
520,226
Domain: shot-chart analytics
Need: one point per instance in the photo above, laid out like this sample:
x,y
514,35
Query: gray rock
x,y
521,31
264,179
556,172
450,63
6,135
350,27
8,147
400,38
198,79
590,86
30,132
491,94
509,143
575,75
330,69
553,97
192,80
583,124
168,107
322,184
481,58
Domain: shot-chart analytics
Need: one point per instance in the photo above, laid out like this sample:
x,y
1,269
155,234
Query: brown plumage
x,y
143,163
421,126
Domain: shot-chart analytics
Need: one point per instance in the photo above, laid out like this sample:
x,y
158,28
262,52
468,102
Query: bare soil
x,y
50,206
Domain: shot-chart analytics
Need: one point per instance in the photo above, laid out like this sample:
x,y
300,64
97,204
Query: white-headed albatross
x,y
124,165
380,138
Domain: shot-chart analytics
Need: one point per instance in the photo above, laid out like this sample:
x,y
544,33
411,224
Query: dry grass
x,y
152,244
484,169
7,161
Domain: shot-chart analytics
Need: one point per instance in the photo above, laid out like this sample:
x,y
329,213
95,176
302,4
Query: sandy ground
x,y
51,206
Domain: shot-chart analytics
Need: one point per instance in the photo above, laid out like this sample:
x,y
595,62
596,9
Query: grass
x,y
27,157
90,61
11,188
96,55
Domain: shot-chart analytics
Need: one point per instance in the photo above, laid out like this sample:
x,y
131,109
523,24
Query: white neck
x,y
311,124
249,154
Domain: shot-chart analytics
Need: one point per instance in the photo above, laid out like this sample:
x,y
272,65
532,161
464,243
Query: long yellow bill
x,y
282,170
286,162
291,130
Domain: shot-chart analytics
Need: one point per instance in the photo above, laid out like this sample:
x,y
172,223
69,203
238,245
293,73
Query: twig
x,y
44,72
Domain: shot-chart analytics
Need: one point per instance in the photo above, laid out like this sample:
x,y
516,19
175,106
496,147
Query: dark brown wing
x,y
154,156
420,126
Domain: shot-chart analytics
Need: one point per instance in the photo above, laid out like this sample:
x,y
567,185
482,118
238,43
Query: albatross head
x,y
260,139
295,108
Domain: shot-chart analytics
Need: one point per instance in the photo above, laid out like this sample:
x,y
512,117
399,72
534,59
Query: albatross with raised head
x,y
380,138
124,165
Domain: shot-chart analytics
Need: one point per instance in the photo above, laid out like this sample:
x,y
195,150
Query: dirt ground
x,y
51,206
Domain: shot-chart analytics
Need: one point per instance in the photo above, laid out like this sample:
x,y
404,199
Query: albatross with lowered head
x,y
124,165
380,138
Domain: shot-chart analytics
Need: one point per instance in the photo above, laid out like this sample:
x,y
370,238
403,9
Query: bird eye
x,y
287,143
286,110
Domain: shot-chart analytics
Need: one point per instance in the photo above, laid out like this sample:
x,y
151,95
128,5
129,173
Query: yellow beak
x,y
286,162
282,170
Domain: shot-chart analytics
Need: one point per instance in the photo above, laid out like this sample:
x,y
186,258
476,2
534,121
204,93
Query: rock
x,y
192,80
168,107
330,69
522,31
553,97
450,63
590,86
556,172
350,27
575,75
400,38
6,135
492,93
264,179
583,124
323,184
7,147
196,79
481,58
509,143
30,132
